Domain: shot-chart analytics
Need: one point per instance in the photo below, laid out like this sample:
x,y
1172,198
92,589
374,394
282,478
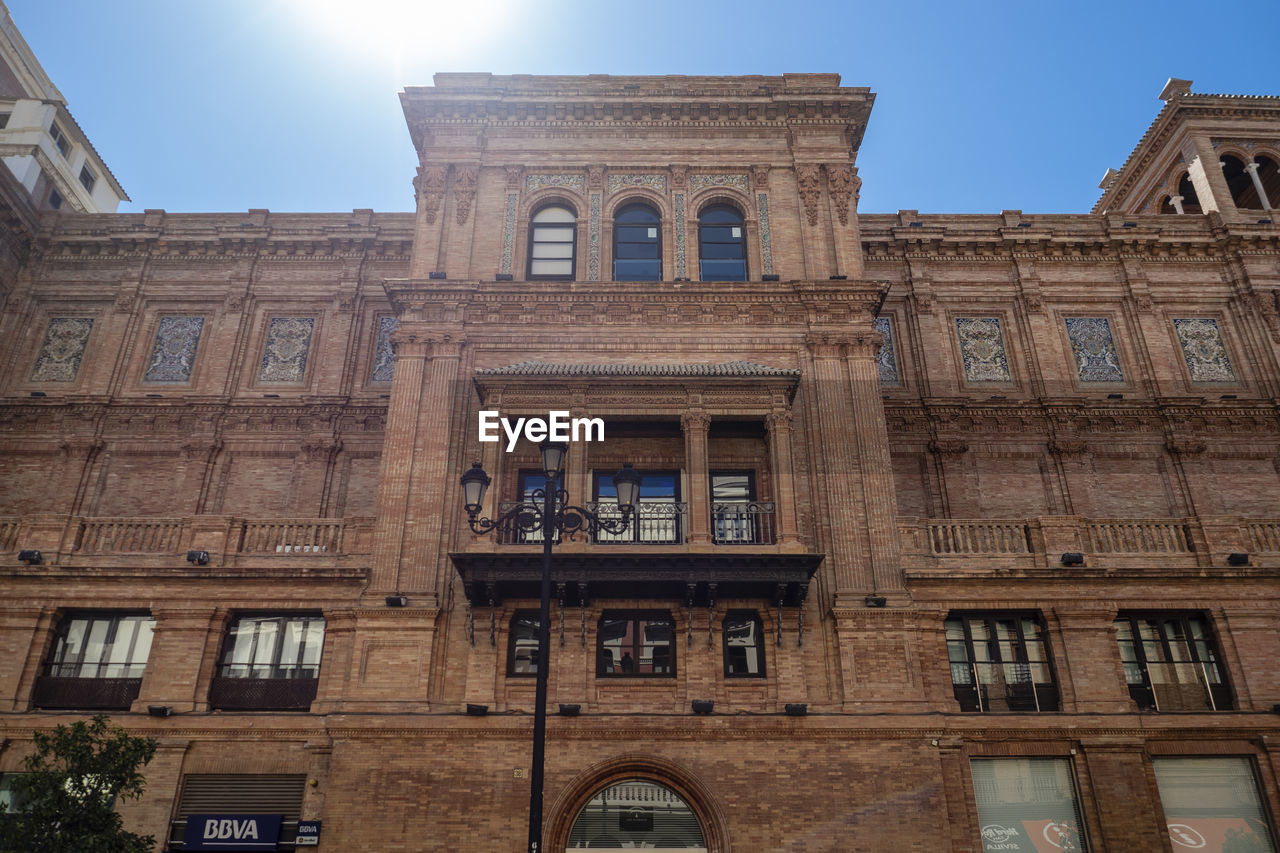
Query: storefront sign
x,y
308,833
232,832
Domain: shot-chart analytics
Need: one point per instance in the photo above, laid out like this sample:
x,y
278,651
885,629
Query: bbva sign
x,y
232,832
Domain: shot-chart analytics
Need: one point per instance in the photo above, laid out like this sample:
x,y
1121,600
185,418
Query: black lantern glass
x,y
474,484
627,484
553,453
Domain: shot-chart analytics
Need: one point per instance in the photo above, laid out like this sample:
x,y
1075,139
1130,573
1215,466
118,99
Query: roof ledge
x,y
1175,88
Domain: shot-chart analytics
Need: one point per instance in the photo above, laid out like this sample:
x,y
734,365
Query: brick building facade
x,y
994,497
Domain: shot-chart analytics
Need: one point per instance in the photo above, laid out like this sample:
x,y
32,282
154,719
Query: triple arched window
x,y
553,243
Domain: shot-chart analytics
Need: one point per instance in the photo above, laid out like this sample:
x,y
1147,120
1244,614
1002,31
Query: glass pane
x,y
554,214
744,652
553,250
641,270
552,235
730,487
637,250
551,267
636,815
720,215
524,645
719,235
721,251
724,271
636,214
637,234
1212,805
1027,804
313,645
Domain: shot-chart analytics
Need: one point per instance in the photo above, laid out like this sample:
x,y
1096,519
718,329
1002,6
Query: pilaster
x,y
696,424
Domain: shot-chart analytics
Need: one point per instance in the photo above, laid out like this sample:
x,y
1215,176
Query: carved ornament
x,y
464,190
430,184
842,182
809,187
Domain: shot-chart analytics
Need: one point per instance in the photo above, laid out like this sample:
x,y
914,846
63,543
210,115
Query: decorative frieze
x,y
62,350
982,349
653,182
1093,349
384,356
173,355
699,182
886,357
1203,350
284,356
570,181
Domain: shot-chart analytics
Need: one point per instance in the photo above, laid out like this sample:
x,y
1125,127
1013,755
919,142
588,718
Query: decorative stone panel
x,y
593,239
1203,349
653,182
887,358
766,237
509,233
1093,349
62,350
701,182
573,182
384,357
982,349
681,258
284,356
173,356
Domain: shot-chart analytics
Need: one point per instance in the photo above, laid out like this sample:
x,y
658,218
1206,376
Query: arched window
x,y
552,243
1190,201
637,814
1269,174
637,244
722,244
1243,192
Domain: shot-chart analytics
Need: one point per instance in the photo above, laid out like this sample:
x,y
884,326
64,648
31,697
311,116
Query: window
x,y
4,120
633,644
637,814
743,644
999,662
10,800
55,200
96,661
1212,804
522,649
736,517
269,663
637,244
272,801
1025,802
87,178
60,139
1171,663
658,512
722,246
552,243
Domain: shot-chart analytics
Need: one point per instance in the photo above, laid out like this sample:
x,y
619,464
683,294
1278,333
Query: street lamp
x,y
554,515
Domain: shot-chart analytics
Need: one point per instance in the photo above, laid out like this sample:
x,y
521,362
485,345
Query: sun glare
x,y
399,29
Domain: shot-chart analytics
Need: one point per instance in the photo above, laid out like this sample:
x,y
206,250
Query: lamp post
x,y
554,515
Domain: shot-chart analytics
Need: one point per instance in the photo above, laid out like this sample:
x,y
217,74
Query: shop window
x,y
269,663
736,518
522,646
1027,804
272,801
637,244
636,645
1212,804
658,515
1171,663
722,244
999,662
553,244
637,814
96,661
743,645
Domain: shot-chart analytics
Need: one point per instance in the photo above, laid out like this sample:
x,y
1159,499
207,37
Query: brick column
x,y
1086,655
429,225
1124,789
695,425
843,186
1257,647
403,412
879,500
780,427
177,651
150,814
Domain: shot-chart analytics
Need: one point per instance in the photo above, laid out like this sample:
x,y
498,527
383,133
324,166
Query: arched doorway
x,y
637,814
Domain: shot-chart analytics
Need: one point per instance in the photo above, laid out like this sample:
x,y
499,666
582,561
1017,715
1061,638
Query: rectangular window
x,y
636,645
1027,804
743,645
269,663
55,200
9,801
658,516
522,649
736,518
4,120
1212,805
60,139
96,661
1171,662
999,662
87,178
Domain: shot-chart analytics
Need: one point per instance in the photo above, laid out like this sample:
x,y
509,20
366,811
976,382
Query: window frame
x,y
60,140
530,617
657,226
114,618
1045,697
530,275
759,646
633,535
740,241
222,665
1143,693
634,617
750,522
92,181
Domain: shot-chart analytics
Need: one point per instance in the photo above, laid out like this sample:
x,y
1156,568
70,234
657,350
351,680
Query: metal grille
x,y
234,794
262,694
98,694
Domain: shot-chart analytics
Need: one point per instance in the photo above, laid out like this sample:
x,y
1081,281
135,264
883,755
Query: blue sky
x,y
292,104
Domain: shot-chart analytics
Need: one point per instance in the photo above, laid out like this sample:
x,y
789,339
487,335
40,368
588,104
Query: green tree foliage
x,y
65,802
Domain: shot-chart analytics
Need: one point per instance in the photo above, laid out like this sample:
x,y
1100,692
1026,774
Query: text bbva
x,y
557,427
